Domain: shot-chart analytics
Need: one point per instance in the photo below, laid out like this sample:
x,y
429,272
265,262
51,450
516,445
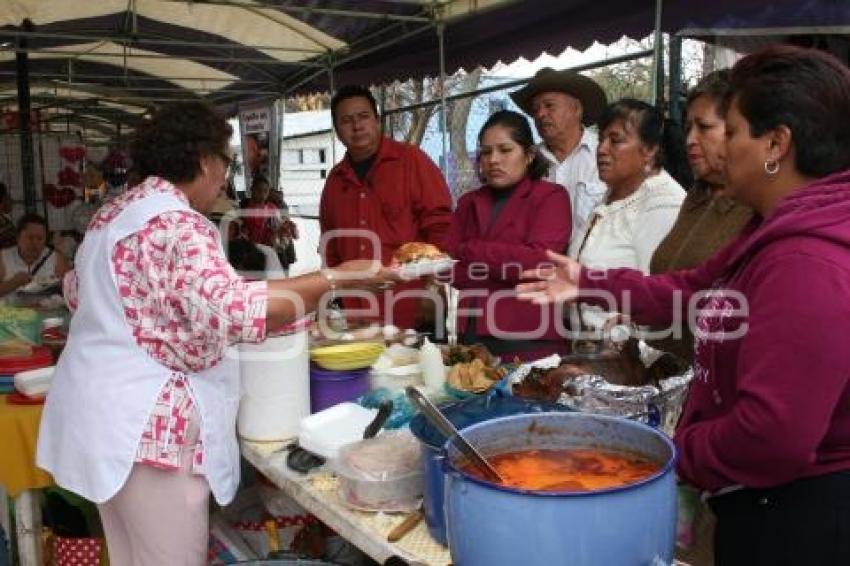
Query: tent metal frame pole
x,y
675,83
141,40
134,100
195,58
441,28
295,85
657,87
261,5
382,106
63,76
94,110
332,90
520,82
83,118
24,122
697,33
199,91
88,108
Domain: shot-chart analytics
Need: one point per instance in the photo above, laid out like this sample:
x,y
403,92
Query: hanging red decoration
x,y
59,197
69,176
73,154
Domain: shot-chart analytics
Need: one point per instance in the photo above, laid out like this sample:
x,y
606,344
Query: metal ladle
x,y
439,420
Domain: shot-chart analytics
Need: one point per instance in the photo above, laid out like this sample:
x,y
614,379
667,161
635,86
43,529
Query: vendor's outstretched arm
x,y
289,299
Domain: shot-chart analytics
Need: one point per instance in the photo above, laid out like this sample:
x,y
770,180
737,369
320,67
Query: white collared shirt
x,y
578,174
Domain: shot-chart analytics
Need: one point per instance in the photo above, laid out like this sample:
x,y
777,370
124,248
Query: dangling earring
x,y
647,169
771,166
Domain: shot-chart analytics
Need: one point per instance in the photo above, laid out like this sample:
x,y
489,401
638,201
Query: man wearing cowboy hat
x,y
562,104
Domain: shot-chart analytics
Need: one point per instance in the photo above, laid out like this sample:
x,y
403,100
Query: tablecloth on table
x,y
19,431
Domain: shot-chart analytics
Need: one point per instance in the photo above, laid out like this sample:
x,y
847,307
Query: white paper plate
x,y
426,267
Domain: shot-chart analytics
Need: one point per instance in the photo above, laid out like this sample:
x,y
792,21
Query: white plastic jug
x,y
275,387
431,362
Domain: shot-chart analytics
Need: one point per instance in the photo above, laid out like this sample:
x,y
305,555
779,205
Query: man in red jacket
x,y
381,195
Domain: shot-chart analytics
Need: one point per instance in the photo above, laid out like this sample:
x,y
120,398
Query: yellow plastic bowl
x,y
343,357
355,348
346,365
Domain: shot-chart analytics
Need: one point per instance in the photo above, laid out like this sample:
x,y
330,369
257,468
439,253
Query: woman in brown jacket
x,y
708,219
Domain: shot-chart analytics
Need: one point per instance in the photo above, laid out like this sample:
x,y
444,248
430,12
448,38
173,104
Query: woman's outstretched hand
x,y
554,283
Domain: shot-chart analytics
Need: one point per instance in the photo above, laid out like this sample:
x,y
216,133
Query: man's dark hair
x,y
30,218
259,180
171,144
352,91
244,255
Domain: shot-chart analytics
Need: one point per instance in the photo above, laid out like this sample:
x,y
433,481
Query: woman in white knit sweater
x,y
637,148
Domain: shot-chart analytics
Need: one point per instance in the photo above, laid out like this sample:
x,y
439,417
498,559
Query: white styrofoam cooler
x,y
275,387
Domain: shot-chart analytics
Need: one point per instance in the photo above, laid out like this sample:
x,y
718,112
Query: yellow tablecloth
x,y
18,434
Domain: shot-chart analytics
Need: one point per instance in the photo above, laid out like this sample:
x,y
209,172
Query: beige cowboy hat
x,y
586,90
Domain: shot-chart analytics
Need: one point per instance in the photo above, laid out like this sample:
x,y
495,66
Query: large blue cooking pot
x,y
492,525
465,413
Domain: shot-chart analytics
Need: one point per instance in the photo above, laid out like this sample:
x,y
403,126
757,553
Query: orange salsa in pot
x,y
570,469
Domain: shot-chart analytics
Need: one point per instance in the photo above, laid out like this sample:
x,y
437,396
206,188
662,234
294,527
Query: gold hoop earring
x,y
771,167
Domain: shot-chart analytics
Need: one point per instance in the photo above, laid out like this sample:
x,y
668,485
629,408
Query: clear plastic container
x,y
381,473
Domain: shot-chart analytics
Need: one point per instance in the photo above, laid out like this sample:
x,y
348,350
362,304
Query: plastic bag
x,y
253,506
226,545
403,409
19,326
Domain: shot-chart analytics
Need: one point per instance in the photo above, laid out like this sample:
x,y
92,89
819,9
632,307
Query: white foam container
x,y
275,387
325,432
34,382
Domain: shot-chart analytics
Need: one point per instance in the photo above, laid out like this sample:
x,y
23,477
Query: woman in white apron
x,y
141,415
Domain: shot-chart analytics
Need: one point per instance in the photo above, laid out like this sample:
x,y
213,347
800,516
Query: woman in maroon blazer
x,y
498,231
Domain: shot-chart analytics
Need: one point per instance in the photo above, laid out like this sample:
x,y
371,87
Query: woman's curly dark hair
x,y
171,144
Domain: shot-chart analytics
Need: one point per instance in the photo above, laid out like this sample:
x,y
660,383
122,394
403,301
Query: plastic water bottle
x,y
431,362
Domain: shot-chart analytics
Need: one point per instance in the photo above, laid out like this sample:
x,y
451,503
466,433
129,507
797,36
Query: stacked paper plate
x,y
343,357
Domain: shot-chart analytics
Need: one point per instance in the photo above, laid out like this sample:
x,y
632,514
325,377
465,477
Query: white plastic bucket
x,y
275,387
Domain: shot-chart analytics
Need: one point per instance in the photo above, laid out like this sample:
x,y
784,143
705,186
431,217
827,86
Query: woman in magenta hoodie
x,y
765,431
498,231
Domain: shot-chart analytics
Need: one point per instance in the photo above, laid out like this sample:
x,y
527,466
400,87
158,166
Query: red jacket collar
x,y
484,195
388,150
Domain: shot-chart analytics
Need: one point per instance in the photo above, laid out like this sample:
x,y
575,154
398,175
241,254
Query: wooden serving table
x,y
317,493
